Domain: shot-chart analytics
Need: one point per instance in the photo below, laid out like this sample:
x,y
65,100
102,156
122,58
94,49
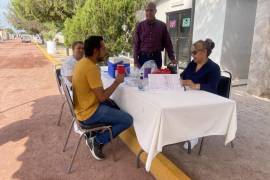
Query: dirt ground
x,y
30,141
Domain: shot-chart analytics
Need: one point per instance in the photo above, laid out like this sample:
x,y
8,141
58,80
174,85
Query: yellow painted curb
x,y
49,58
162,168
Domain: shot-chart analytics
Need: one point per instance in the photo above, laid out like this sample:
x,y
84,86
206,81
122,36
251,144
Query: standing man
x,y
89,95
150,38
70,62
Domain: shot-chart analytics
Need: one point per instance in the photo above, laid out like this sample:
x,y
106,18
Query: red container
x,y
120,69
162,71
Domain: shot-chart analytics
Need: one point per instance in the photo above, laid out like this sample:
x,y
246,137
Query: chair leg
x,y
232,145
138,158
61,112
75,153
200,150
69,131
112,144
189,147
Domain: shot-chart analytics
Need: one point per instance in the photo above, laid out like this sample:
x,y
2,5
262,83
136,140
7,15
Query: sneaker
x,y
87,137
76,129
95,148
193,143
88,141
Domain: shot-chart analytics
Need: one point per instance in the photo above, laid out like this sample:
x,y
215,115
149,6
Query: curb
x,y
162,168
48,57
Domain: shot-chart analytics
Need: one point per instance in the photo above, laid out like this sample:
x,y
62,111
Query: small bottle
x,y
140,83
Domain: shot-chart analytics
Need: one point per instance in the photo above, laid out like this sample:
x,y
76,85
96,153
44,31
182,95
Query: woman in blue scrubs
x,y
202,73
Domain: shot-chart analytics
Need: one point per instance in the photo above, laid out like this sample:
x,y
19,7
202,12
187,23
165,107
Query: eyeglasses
x,y
195,51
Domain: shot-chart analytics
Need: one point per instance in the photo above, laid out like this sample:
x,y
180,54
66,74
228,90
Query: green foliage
x,y
50,32
10,31
24,12
31,26
106,18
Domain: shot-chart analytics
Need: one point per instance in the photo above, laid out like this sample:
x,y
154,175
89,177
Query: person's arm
x,y
67,70
168,45
103,94
213,79
187,69
136,44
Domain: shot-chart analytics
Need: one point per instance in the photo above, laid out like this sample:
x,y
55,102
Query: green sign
x,y
186,22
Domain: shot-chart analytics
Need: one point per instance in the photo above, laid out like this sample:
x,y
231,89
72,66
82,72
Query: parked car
x,y
26,38
37,39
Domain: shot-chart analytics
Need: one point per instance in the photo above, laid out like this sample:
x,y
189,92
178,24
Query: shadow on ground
x,y
41,156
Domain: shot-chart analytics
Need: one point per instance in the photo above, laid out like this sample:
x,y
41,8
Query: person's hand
x,y
136,65
120,78
173,61
190,84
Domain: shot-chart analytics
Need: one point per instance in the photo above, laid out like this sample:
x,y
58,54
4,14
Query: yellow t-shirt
x,y
86,77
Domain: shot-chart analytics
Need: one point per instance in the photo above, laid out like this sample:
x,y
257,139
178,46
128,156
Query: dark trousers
x,y
143,57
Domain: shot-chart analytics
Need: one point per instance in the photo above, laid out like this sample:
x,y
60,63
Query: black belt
x,y
151,54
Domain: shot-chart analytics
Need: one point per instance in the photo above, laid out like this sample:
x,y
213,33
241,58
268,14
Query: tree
x,y
39,15
113,19
31,26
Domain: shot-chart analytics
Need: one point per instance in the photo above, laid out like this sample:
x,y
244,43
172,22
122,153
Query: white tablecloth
x,y
167,117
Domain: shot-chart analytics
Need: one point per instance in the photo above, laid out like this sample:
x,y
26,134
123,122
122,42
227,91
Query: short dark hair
x,y
75,44
151,4
91,43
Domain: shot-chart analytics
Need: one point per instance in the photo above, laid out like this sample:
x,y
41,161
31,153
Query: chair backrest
x,y
224,85
58,77
68,98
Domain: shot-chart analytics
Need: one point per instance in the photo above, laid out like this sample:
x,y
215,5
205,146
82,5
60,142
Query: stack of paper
x,y
164,81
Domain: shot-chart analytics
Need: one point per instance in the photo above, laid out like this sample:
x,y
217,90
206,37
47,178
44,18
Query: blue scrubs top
x,y
208,76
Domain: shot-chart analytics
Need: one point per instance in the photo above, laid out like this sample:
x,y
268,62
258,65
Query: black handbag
x,y
111,103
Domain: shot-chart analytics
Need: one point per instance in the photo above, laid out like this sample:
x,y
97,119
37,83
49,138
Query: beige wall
x,y
259,72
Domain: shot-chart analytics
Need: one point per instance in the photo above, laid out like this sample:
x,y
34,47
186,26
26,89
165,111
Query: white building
x,y
229,23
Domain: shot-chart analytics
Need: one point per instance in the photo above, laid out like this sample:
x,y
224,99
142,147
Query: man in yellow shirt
x,y
89,95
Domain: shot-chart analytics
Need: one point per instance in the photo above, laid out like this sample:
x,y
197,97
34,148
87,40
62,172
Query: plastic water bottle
x,y
140,83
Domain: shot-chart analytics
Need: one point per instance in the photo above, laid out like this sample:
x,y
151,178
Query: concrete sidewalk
x,y
248,160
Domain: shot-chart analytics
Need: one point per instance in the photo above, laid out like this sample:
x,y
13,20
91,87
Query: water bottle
x,y
140,83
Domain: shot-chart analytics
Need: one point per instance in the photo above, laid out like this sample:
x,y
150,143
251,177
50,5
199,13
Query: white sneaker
x,y
193,143
76,129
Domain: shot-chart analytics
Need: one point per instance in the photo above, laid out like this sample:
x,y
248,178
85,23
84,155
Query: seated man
x,y
88,95
70,62
202,73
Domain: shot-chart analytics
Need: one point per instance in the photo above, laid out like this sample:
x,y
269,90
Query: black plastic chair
x,y
58,77
83,128
224,90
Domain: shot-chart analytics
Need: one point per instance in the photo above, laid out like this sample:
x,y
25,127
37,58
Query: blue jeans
x,y
119,120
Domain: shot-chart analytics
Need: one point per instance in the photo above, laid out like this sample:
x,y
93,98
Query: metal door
x,y
180,28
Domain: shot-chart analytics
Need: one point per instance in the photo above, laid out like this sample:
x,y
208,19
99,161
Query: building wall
x,y
259,72
238,36
3,34
165,6
209,20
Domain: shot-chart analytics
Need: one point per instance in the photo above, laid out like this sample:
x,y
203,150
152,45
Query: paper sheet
x,y
164,81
